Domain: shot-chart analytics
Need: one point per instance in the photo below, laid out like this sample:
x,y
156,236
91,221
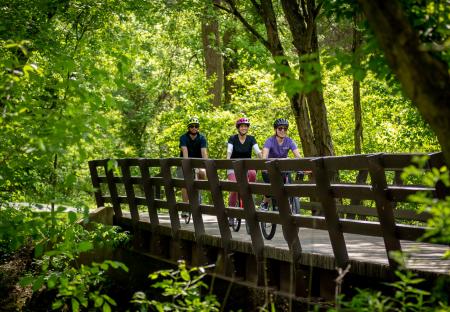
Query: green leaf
x,y
72,217
106,307
185,275
75,305
85,246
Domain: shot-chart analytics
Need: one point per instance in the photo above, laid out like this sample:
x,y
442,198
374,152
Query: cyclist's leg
x,y
251,175
266,198
183,190
233,195
201,173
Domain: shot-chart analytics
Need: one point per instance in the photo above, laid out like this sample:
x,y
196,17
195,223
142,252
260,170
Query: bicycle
x,y
187,216
268,229
235,223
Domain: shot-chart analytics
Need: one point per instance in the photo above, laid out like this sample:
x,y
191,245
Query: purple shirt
x,y
279,151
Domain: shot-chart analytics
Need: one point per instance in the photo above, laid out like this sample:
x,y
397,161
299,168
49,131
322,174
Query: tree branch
x,y
246,24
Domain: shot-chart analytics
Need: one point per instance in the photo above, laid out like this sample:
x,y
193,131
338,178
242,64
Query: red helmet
x,y
242,121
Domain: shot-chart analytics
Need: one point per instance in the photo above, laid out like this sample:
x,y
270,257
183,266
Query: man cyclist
x,y
278,146
192,145
241,145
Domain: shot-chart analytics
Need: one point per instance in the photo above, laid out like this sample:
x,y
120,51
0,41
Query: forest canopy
x,y
83,80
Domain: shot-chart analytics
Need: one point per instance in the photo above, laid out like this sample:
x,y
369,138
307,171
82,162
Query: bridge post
x,y
384,206
290,231
112,189
96,183
222,219
331,216
199,227
250,218
131,198
176,249
149,191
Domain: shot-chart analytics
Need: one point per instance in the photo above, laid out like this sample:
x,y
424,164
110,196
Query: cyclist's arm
x,y
204,152
257,150
265,153
296,153
229,150
184,150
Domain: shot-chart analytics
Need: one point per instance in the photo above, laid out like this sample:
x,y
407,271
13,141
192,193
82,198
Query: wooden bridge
x,y
341,223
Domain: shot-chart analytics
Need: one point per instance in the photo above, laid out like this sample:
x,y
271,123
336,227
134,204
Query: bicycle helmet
x,y
193,121
242,121
281,122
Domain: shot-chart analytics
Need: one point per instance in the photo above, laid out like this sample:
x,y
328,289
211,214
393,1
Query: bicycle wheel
x,y
294,202
268,229
187,217
235,223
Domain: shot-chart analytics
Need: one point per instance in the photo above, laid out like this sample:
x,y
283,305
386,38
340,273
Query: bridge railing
x,y
372,205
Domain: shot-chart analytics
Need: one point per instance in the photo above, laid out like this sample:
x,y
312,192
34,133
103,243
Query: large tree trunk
x,y
302,24
424,78
213,57
356,44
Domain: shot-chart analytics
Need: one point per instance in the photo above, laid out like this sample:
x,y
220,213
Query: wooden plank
x,y
99,200
301,190
222,218
361,178
303,164
149,191
290,231
218,202
330,212
351,191
113,190
170,196
401,193
398,161
384,207
350,162
193,193
250,216
124,165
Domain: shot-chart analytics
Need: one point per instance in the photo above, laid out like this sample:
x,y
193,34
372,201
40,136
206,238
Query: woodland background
x,y
84,80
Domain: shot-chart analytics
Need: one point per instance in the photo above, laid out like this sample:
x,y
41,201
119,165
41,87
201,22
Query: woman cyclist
x,y
278,146
241,145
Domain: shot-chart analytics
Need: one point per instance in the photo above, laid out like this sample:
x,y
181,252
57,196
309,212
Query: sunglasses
x,y
282,129
194,126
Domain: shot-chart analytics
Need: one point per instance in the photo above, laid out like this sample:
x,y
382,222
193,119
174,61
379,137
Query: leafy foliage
x,y
183,287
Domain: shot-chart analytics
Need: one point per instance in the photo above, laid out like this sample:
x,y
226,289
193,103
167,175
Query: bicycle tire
x,y
268,229
235,223
187,218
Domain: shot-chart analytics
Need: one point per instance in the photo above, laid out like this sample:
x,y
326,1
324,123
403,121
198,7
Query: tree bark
x,y
356,44
302,23
425,78
213,57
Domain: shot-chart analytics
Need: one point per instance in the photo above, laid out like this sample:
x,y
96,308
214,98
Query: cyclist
x,y
277,146
241,145
192,145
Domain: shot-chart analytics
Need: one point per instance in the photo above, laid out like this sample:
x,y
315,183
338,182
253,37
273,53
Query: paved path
x,y
422,256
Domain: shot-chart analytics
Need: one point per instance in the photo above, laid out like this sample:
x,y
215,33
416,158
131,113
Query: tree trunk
x,y
213,57
425,79
356,44
302,24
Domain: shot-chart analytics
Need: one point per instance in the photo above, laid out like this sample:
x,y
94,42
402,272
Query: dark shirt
x,y
242,150
193,146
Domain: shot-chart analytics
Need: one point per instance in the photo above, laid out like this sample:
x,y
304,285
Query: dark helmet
x,y
242,121
193,121
281,122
